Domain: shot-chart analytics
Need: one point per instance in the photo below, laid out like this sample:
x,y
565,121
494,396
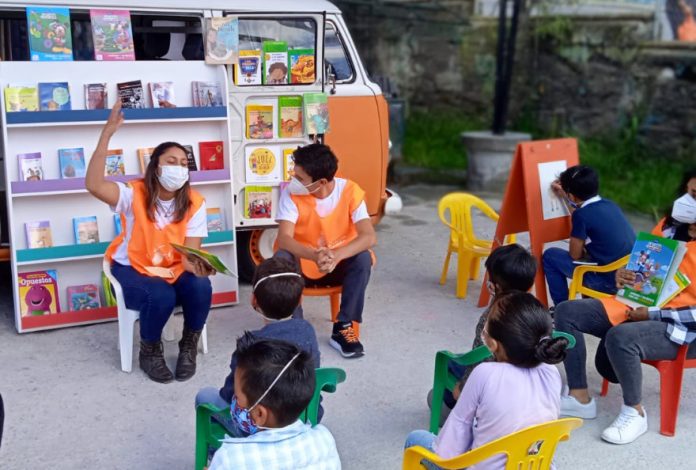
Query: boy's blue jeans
x,y
559,267
423,439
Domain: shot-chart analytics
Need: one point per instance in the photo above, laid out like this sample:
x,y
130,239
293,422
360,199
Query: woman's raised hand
x,y
115,120
623,277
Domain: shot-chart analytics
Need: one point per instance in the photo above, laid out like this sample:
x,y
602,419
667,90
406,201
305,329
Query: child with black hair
x,y
600,234
518,334
273,383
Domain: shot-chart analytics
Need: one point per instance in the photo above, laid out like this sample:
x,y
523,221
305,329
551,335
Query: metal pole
x,y
509,65
498,121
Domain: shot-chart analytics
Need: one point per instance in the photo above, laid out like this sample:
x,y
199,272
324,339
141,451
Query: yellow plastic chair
x,y
463,240
531,448
576,286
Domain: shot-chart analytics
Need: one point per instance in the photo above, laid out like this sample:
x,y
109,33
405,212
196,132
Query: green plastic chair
x,y
445,380
209,432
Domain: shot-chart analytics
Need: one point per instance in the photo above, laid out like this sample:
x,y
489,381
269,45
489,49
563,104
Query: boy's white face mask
x,y
684,209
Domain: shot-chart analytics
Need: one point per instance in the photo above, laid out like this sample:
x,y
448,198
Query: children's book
x,y
190,158
38,234
207,94
131,94
50,36
83,297
290,116
288,164
258,202
259,121
275,62
262,164
674,286
112,35
30,168
118,227
248,69
38,293
162,94
214,218
208,258
316,113
114,163
144,154
109,297
54,96
72,162
96,96
221,40
86,229
301,65
212,155
21,98
655,261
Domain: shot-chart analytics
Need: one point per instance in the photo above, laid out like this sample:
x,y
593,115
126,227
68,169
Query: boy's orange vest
x,y
148,245
616,311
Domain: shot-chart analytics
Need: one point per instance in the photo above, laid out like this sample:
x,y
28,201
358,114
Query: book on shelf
x,y
214,219
144,154
262,164
112,35
38,293
288,163
221,40
49,33
19,98
316,113
301,63
290,116
209,259
190,158
259,121
118,226
655,261
247,71
54,96
86,229
258,202
83,297
206,94
212,155
114,165
72,162
38,234
275,62
131,94
30,168
109,297
162,94
96,96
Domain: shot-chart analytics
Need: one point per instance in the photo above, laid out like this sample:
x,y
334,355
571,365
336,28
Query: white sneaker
x,y
570,406
627,427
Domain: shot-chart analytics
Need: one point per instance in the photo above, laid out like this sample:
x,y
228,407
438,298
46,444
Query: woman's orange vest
x,y
687,30
149,245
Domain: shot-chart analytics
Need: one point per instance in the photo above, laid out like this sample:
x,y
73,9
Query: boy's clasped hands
x,y
326,259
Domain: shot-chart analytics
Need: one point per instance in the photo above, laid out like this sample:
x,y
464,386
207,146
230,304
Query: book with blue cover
x,y
49,34
54,96
72,162
86,229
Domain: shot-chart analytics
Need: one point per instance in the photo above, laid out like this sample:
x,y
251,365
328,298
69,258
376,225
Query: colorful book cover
x,y
21,98
30,168
221,40
86,230
207,94
214,219
203,256
316,113
131,94
72,162
118,227
109,297
288,164
262,164
248,69
258,202
96,96
259,121
212,155
54,96
162,94
83,297
144,154
50,36
112,35
114,163
275,62
190,158
38,234
38,293
290,116
301,65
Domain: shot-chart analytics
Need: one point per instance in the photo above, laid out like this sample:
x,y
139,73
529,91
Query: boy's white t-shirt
x,y
164,214
287,210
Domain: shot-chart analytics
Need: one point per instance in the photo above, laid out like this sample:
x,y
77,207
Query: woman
x,y
156,211
622,347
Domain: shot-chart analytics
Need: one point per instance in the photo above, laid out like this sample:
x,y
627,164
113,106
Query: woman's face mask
x,y
684,209
297,188
173,177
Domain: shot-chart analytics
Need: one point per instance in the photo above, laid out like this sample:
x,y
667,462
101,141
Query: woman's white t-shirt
x,y
287,209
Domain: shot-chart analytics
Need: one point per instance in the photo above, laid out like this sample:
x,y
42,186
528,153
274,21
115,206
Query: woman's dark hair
x,y
182,199
317,160
519,322
581,181
278,296
260,362
512,268
681,189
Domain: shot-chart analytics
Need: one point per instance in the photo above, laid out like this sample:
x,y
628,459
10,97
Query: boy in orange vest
x,y
323,221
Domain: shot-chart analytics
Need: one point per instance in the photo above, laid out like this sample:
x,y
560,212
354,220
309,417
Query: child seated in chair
x,y
273,383
518,334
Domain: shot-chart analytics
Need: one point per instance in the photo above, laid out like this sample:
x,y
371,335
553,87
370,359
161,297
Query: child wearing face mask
x,y
274,382
518,333
156,211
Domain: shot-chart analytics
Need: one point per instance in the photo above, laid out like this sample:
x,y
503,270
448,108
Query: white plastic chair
x,y
127,319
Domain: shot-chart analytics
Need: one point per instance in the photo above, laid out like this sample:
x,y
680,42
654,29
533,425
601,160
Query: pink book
x,y
83,297
112,35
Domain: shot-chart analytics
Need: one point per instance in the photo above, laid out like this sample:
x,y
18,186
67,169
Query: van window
x,y
336,55
13,35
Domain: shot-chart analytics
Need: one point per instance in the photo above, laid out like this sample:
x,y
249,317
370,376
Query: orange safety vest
x,y
687,30
149,245
616,311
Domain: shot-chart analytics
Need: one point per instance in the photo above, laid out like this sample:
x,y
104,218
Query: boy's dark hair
x,y
260,361
317,160
512,268
278,296
523,326
581,181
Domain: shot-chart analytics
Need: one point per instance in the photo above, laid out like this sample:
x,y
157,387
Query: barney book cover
x,y
38,293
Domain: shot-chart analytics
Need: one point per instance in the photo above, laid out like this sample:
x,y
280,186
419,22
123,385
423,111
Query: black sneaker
x,y
345,341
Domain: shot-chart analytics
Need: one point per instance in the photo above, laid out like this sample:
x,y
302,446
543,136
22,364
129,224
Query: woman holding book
x,y
626,339
156,211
